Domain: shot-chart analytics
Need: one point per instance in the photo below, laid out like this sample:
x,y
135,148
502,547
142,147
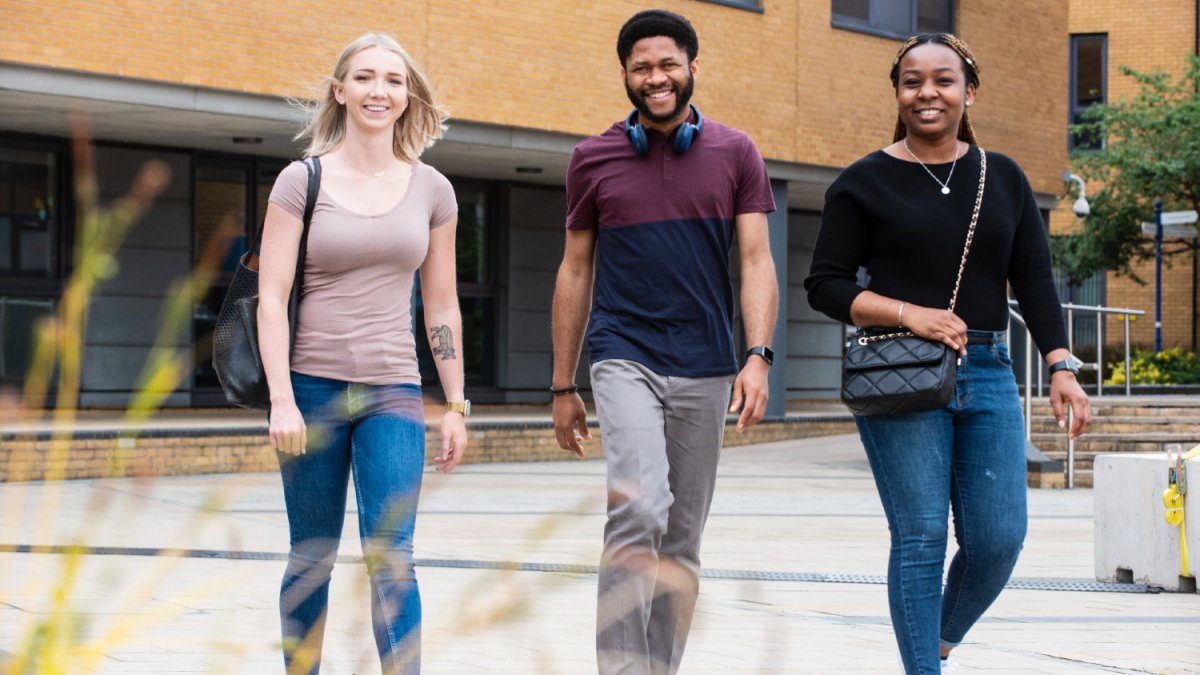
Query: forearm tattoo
x,y
445,340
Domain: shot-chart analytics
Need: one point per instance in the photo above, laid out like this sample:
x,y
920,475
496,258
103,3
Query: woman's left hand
x,y
1064,391
454,442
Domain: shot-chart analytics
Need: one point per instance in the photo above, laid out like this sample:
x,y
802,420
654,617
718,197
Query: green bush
x,y
1169,366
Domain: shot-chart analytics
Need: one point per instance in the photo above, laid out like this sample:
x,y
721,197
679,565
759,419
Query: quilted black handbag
x,y
892,373
235,337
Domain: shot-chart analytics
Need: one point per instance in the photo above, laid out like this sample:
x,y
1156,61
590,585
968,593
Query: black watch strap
x,y
764,351
1066,364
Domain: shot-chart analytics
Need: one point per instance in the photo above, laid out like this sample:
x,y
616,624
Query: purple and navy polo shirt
x,y
665,226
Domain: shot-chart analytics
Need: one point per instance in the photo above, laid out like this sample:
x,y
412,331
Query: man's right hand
x,y
570,423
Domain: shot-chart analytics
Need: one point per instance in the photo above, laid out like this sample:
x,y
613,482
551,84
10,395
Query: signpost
x,y
1169,224
1184,231
1178,217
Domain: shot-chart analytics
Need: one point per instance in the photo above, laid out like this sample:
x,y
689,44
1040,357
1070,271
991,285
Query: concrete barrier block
x,y
1133,542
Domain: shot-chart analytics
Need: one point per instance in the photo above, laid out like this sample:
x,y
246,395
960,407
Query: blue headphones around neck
x,y
684,134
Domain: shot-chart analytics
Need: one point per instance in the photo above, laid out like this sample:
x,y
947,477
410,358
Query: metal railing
x,y
1097,365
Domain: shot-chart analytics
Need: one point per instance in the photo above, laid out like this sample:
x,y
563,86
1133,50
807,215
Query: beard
x,y
683,96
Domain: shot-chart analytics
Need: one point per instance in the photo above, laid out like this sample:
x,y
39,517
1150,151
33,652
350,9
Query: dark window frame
x,y
748,5
45,290
209,394
857,25
63,232
487,291
1074,111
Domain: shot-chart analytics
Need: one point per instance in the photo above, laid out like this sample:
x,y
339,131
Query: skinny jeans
x,y
376,434
968,457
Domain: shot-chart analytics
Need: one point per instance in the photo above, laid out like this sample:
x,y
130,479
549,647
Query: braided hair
x,y
970,68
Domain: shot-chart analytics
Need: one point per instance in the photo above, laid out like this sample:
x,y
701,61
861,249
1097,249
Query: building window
x,y
898,19
752,5
31,245
1089,67
230,203
475,253
29,212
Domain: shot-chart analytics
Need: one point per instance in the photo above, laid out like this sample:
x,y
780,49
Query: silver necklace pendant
x,y
945,184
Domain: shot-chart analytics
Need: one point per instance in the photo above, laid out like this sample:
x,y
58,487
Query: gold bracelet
x,y
900,316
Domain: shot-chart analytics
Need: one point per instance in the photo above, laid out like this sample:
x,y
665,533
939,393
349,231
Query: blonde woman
x,y
347,401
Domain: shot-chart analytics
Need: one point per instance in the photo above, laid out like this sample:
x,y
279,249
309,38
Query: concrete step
x,y
1119,424
1087,448
1132,406
1125,424
1145,412
1083,478
1083,458
1109,442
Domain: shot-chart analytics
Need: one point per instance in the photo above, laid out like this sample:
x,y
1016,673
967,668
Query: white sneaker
x,y
947,665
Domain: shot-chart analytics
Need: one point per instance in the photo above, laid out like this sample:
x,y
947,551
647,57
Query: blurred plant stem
x,y
56,641
99,233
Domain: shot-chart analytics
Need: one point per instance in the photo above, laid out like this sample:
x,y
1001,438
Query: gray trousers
x,y
662,439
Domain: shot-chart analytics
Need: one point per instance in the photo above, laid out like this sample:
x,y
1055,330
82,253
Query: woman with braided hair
x,y
903,213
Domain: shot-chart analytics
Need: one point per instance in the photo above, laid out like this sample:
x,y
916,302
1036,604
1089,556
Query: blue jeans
x,y
376,433
969,455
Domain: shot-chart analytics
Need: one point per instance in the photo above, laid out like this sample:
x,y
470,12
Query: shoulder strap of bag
x,y
313,166
971,230
310,203
314,186
962,265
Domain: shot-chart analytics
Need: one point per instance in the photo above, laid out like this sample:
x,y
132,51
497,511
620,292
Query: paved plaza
x,y
181,574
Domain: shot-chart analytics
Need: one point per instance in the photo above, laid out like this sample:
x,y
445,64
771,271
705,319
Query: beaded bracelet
x,y
562,391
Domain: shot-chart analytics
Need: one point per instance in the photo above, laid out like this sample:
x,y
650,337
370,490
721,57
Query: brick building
x,y
203,86
1146,36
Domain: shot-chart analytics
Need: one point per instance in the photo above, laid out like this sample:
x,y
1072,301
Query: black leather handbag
x,y
901,372
235,337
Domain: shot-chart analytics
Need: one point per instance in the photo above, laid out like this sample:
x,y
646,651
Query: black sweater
x,y
888,216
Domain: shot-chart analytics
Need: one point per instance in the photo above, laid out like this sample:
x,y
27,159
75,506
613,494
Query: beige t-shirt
x,y
355,320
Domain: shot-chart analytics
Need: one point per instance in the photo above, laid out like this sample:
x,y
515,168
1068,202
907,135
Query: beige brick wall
x,y
805,91
1146,35
1177,309
1022,48
26,458
103,455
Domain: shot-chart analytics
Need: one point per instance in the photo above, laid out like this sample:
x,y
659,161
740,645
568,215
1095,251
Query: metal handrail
x,y
1098,364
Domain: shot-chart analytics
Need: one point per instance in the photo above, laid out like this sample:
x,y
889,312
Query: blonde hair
x,y
970,69
419,126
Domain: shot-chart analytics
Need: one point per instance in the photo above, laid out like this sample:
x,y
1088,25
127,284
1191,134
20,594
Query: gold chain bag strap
x,y
902,372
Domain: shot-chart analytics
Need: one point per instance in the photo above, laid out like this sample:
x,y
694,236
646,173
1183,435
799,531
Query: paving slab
x,y
181,575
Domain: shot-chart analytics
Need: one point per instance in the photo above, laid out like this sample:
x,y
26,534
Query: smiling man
x,y
654,204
